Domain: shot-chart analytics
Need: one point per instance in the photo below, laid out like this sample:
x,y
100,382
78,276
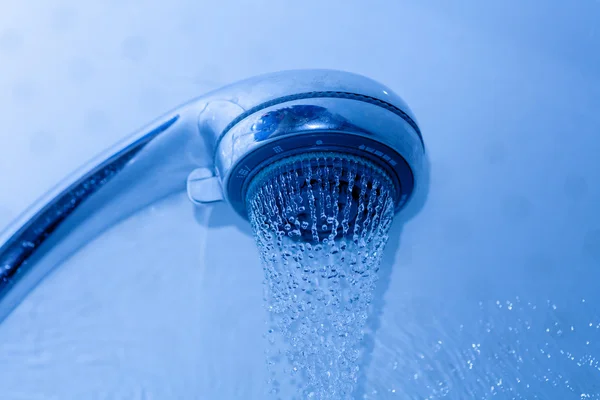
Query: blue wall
x,y
491,291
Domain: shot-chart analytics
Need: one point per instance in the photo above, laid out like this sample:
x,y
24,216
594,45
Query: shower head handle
x,y
212,146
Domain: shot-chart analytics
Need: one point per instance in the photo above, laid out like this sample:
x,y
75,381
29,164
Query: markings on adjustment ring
x,y
242,173
379,153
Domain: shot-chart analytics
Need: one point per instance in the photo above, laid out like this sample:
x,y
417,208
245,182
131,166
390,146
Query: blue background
x,y
490,292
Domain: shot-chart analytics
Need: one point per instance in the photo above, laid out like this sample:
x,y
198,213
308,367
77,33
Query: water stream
x,y
321,223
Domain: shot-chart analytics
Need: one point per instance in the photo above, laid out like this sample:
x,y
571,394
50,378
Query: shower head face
x,y
344,124
321,197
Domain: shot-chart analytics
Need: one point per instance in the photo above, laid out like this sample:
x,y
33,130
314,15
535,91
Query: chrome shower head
x,y
218,143
297,112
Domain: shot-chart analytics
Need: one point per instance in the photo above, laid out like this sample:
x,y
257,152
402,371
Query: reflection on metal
x,y
23,244
300,110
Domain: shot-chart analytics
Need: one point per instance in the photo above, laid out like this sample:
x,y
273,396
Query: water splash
x,y
321,222
509,348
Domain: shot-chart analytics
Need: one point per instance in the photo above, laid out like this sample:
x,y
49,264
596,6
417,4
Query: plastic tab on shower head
x,y
203,187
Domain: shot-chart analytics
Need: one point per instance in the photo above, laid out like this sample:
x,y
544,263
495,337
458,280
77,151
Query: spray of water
x,y
321,222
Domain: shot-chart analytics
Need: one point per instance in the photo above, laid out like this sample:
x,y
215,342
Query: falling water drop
x,y
320,265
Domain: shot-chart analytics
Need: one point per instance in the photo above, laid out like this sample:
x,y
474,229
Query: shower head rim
x,y
402,175
323,95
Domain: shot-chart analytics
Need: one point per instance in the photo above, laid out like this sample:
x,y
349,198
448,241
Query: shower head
x,y
298,112
217,145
